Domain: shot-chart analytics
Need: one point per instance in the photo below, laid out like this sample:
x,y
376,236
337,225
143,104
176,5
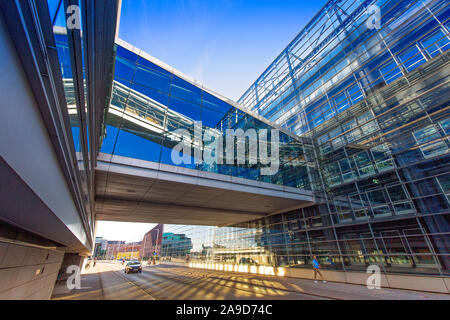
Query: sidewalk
x,y
102,282
334,290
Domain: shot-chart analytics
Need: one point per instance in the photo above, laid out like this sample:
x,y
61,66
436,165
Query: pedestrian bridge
x,y
143,191
136,178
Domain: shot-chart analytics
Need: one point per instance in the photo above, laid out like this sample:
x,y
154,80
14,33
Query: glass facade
x,y
373,105
365,119
76,91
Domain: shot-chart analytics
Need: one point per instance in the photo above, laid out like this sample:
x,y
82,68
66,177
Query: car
x,y
248,261
133,266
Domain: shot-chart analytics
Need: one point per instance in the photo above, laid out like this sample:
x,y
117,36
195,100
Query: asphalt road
x,y
108,281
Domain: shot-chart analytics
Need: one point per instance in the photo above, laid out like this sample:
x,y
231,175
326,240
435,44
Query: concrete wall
x,y
26,272
70,259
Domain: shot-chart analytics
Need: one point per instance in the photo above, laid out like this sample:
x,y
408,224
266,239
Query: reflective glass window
x,y
355,94
341,102
396,193
412,58
390,72
153,79
436,43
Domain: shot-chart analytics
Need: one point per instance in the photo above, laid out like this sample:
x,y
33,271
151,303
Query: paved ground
x,y
108,281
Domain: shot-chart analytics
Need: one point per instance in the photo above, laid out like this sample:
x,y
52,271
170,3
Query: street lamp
x,y
155,246
144,240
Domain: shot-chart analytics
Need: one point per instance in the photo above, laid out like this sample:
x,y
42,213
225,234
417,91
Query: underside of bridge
x,y
142,191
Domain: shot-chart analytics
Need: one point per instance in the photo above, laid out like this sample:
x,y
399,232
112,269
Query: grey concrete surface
x,y
27,273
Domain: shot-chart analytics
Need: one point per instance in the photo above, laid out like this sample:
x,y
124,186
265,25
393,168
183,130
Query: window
x,y
436,43
338,142
361,214
381,211
349,125
365,117
445,125
396,193
353,135
341,102
412,58
329,112
376,197
403,208
152,79
370,127
426,135
347,173
444,182
355,94
323,139
390,72
434,149
325,148
364,165
382,156
335,132
345,217
318,119
333,174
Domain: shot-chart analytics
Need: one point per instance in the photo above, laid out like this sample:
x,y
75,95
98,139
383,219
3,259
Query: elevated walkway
x,y
143,191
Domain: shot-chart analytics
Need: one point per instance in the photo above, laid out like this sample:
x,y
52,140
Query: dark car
x,y
133,266
248,261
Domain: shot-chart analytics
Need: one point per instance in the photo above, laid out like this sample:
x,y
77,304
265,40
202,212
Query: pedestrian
x,y
316,268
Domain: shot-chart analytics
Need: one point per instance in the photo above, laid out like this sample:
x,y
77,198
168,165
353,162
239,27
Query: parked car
x,y
133,266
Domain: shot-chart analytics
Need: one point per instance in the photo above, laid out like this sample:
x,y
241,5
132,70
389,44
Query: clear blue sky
x,y
223,44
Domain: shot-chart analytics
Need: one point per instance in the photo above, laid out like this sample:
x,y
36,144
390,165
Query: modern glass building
x,y
356,107
366,83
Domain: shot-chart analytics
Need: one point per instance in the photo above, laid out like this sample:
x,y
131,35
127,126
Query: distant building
x,y
100,247
176,245
112,248
129,250
151,243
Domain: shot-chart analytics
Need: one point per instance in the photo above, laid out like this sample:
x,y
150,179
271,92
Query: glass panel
x,y
341,103
396,193
412,58
445,125
436,43
404,208
355,94
390,72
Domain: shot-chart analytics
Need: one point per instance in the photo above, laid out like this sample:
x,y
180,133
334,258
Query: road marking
x,y
136,285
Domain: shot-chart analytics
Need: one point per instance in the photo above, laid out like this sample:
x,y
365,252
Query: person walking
x,y
316,268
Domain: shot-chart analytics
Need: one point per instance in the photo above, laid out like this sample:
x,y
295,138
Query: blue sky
x,y
223,44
